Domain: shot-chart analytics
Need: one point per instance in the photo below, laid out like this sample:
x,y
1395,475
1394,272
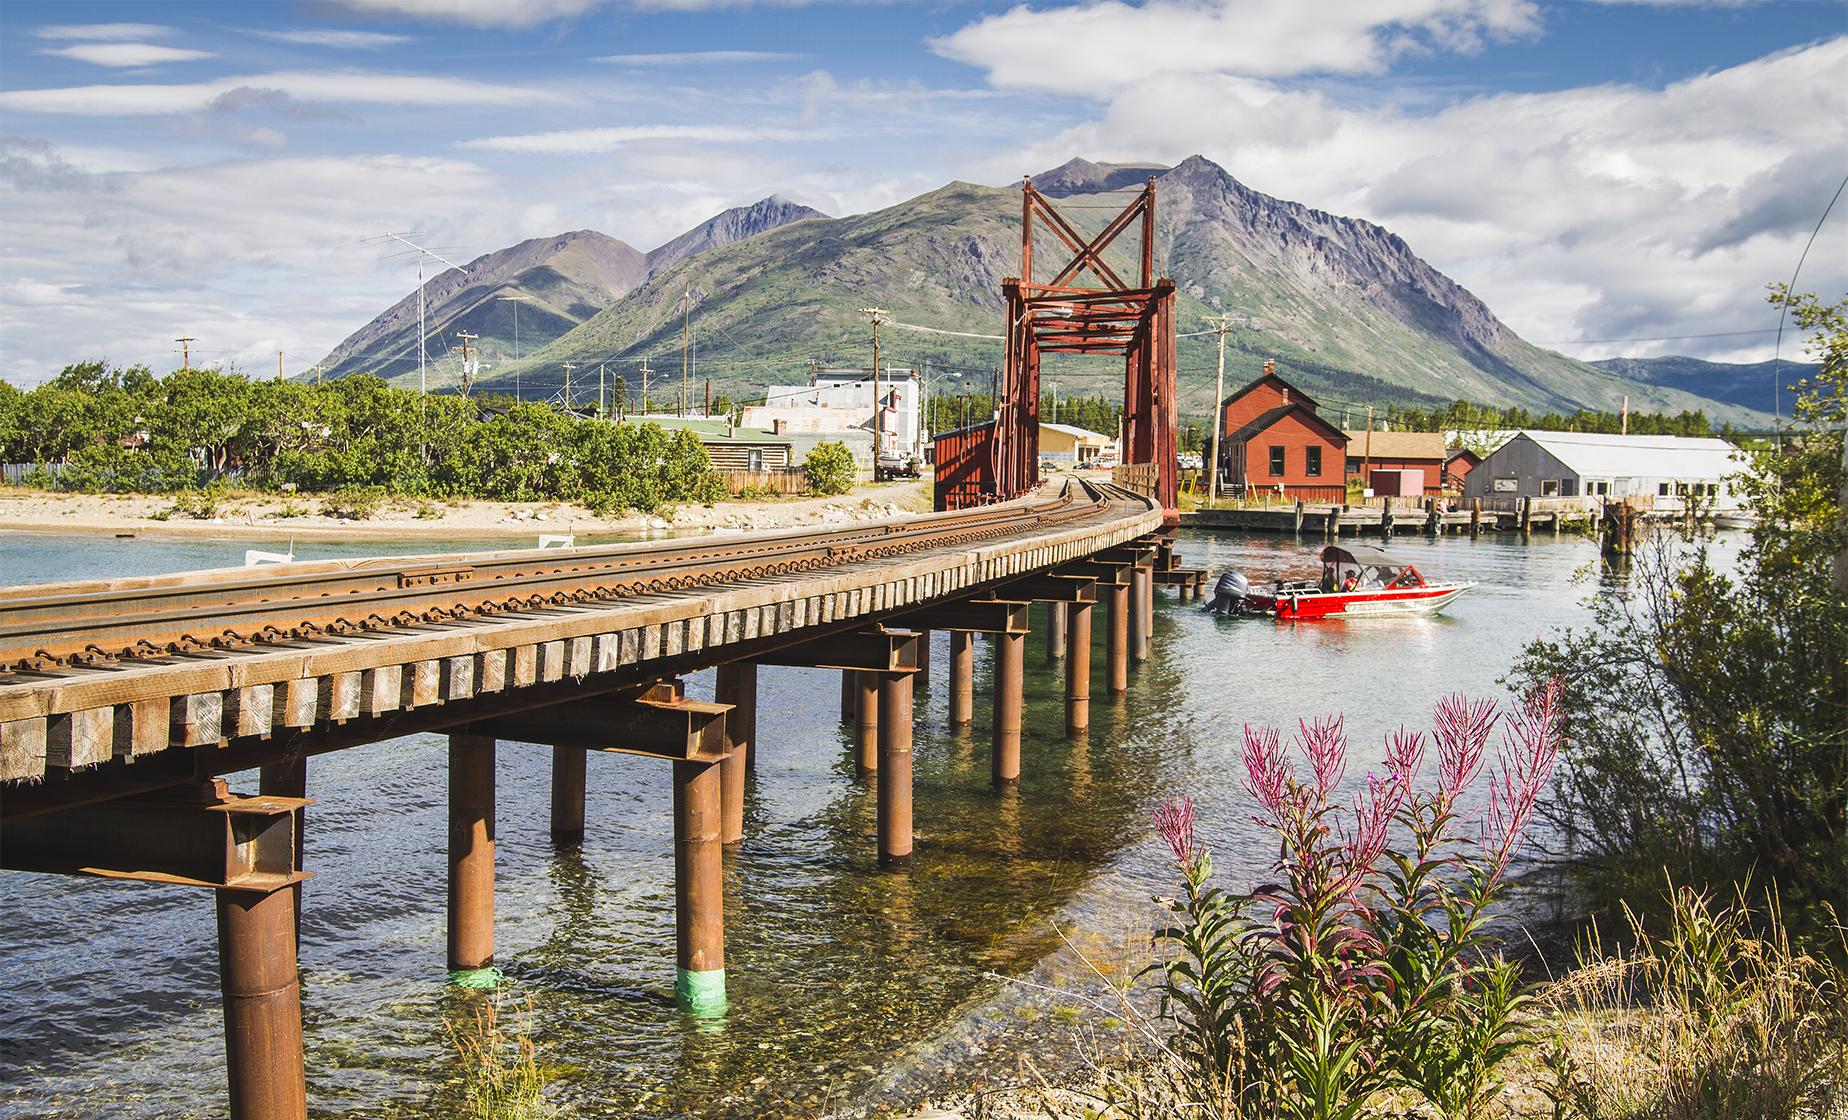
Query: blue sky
x,y
1592,170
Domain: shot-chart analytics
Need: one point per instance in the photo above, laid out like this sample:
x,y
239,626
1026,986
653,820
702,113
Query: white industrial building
x,y
838,402
1664,469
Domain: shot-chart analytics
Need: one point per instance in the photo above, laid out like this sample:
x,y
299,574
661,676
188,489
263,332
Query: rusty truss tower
x,y
1084,307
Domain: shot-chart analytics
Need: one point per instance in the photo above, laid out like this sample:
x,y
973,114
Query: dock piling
x,y
1475,518
922,680
471,852
1055,631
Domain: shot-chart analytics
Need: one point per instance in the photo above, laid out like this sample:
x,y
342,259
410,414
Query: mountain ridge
x,y
556,283
1346,306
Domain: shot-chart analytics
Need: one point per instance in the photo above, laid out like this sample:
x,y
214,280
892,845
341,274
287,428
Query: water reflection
x,y
834,969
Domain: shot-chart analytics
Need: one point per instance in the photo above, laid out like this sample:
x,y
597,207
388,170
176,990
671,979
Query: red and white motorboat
x,y
1358,581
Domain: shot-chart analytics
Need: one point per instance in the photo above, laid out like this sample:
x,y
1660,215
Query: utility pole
x,y
186,351
1220,326
645,372
422,383
515,300
878,315
1626,414
686,319
317,373
279,375
1366,461
468,367
568,368
601,413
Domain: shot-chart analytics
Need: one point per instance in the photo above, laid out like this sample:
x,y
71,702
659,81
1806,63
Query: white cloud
x,y
119,264
473,13
1107,46
1608,211
99,32
695,58
323,86
337,39
582,141
127,54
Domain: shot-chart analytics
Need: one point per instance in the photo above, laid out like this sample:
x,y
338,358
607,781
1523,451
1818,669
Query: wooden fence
x,y
787,482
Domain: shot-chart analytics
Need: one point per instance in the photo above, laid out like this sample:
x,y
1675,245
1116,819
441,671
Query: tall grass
x,y
1716,1018
501,1078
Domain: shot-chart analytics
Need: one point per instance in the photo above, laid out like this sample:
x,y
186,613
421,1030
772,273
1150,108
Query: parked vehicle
x,y
896,464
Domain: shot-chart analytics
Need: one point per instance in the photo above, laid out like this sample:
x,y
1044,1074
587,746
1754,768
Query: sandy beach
x,y
269,516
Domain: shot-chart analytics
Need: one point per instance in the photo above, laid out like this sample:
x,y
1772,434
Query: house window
x,y
1568,487
1661,489
1312,462
756,461
1549,488
1276,461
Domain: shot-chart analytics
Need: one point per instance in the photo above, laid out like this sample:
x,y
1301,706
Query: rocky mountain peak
x,y
730,226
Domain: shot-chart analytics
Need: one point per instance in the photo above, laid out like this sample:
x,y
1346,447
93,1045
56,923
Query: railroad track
x,y
93,624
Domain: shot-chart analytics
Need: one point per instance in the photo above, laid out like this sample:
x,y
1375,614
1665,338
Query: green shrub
x,y
830,469
354,503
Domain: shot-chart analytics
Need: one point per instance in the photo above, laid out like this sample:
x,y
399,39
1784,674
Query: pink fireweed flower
x,y
1325,742
1267,768
1405,751
1528,753
1374,811
1461,729
1174,819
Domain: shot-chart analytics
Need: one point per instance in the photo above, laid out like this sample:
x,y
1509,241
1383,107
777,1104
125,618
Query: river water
x,y
109,1004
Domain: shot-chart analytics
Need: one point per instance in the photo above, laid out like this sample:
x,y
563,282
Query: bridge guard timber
x,y
1085,308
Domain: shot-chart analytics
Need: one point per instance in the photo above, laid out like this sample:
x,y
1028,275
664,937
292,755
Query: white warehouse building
x,y
1664,469
840,401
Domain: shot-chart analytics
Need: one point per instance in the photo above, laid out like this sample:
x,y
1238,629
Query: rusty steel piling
x,y
263,1005
866,723
962,678
471,852
1010,666
1117,638
568,767
893,807
1078,670
699,890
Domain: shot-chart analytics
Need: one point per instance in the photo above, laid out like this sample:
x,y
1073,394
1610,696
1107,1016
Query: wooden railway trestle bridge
x,y
123,703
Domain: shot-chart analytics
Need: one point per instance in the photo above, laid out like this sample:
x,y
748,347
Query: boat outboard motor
x,y
1229,594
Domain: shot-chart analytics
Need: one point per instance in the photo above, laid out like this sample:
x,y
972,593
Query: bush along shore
x,y
95,429
1682,764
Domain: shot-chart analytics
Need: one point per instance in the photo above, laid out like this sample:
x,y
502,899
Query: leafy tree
x,y
1707,708
830,468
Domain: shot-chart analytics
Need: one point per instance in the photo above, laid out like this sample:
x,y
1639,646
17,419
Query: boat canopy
x,y
1364,555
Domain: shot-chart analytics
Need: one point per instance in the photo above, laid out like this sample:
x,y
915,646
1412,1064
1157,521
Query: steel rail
x,y
43,628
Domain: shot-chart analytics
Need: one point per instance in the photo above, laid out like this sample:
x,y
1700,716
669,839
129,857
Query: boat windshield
x,y
1348,574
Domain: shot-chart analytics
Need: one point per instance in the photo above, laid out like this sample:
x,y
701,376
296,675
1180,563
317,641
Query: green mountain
x,y
1764,386
518,299
1346,307
514,300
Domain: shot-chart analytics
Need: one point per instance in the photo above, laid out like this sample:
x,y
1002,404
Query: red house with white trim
x,y
1272,439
